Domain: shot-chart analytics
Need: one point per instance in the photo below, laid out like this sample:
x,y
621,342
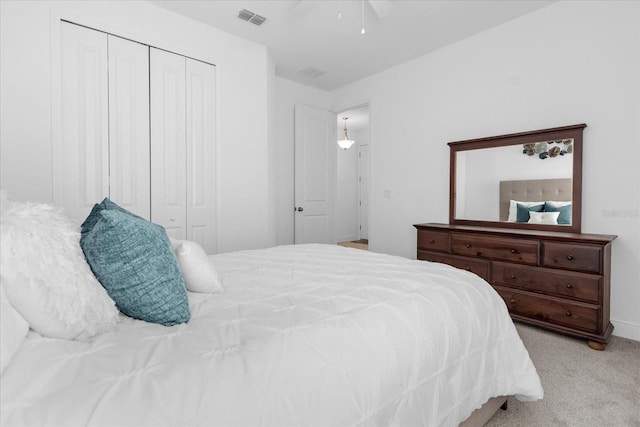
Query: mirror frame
x,y
573,131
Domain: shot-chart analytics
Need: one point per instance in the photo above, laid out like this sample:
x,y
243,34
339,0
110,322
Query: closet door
x,y
168,142
83,153
129,125
201,138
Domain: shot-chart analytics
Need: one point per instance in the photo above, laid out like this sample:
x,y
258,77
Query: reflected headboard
x,y
533,190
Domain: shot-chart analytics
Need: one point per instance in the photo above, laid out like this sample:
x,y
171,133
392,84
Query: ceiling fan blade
x,y
302,8
381,7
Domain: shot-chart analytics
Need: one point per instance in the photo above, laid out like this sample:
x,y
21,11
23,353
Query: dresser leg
x,y
596,345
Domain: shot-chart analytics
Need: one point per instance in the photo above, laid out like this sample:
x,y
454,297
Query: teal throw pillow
x,y
134,261
564,209
522,214
94,215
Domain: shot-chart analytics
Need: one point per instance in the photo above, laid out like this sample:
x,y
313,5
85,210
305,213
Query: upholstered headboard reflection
x,y
533,190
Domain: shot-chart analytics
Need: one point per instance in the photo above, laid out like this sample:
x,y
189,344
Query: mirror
x,y
528,180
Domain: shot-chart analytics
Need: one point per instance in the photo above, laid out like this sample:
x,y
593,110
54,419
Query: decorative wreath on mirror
x,y
544,149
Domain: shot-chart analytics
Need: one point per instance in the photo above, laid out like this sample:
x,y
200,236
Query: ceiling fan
x,y
381,8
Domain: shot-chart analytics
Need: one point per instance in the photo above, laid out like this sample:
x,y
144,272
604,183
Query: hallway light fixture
x,y
346,142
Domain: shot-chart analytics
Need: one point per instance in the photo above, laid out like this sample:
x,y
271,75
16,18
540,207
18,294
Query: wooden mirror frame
x,y
574,131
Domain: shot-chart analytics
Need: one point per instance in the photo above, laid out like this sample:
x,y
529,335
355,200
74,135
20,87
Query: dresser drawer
x,y
433,240
477,266
561,312
502,248
572,256
580,286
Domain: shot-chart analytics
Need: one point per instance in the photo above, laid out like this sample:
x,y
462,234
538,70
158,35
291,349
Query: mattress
x,y
302,335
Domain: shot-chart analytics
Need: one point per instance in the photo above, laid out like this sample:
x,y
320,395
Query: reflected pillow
x,y
513,208
543,218
564,209
522,213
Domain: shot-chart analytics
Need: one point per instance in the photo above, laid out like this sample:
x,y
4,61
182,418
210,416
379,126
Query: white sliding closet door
x,y
129,125
201,134
104,146
83,154
168,142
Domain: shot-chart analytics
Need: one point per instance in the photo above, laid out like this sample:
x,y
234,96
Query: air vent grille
x,y
311,72
249,16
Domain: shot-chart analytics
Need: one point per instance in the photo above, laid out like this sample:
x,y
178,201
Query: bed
x,y
532,191
301,335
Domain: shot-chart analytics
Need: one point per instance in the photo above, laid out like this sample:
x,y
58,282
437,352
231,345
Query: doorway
x,y
352,170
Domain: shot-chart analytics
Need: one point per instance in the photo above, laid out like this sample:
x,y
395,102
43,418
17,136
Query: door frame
x,y
358,106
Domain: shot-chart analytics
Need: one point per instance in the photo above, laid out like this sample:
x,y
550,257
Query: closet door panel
x,y
129,125
83,169
201,140
168,142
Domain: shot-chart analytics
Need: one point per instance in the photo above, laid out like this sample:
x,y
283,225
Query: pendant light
x,y
346,142
362,31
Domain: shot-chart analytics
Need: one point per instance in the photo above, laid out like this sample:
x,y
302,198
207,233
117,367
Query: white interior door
x,y
363,190
83,167
129,182
315,175
168,142
201,139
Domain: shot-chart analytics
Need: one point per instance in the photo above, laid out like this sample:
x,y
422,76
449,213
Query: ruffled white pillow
x,y
46,277
197,271
13,329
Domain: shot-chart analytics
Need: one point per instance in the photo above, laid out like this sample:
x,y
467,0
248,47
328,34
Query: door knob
x,y
300,208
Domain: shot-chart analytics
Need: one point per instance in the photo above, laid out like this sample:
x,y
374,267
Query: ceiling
x,y
306,37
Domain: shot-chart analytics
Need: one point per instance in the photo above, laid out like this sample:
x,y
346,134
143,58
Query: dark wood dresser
x,y
559,281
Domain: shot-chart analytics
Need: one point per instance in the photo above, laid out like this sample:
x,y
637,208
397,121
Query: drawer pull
x,y
513,301
567,313
467,268
569,286
513,251
513,276
569,257
468,245
432,241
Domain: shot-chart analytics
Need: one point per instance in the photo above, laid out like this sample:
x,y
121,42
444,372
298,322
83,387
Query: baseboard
x,y
626,330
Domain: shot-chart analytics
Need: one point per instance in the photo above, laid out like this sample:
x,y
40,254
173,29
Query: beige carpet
x,y
582,387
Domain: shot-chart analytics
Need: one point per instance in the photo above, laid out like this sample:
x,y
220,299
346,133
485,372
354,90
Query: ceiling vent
x,y
311,72
247,15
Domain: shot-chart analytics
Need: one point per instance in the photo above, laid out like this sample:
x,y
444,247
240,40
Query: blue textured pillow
x,y
522,213
133,259
564,209
94,215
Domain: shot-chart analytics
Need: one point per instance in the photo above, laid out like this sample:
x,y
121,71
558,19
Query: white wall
x,y
572,62
288,94
28,33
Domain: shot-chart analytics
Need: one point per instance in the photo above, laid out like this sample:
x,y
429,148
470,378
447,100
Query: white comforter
x,y
303,335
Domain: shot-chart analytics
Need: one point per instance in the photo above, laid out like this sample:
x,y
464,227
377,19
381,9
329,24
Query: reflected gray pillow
x,y
564,209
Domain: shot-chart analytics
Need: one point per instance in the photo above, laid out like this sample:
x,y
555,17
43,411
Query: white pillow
x,y
197,271
46,277
543,217
13,329
513,208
